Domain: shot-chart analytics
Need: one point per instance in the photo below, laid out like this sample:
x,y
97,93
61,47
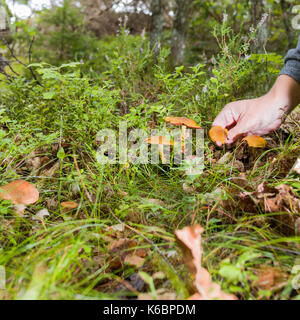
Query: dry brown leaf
x,y
120,253
255,141
188,188
120,227
69,205
270,278
134,260
41,214
157,202
178,121
270,199
189,239
241,180
52,172
218,134
296,166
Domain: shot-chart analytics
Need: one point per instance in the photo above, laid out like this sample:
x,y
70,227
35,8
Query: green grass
x,y
67,254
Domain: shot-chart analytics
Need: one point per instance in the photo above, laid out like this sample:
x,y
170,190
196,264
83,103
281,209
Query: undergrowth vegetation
x,y
48,137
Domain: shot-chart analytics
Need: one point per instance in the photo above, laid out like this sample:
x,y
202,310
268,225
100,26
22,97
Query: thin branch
x,y
4,63
29,50
19,61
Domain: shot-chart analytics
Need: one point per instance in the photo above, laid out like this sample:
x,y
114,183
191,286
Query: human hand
x,y
261,115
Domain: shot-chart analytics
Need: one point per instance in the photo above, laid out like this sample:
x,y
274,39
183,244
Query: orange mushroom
x,y
255,141
161,141
178,121
21,193
218,134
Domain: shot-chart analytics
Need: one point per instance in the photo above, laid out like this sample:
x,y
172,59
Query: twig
x,y
29,50
19,61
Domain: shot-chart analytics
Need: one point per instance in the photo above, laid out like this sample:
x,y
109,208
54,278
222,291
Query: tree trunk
x,y
180,25
156,25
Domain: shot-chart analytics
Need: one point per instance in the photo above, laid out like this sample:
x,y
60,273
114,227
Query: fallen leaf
x,y
52,172
296,166
226,158
117,227
119,250
188,188
255,141
159,275
41,214
218,134
156,202
270,199
270,278
189,240
178,121
134,260
69,205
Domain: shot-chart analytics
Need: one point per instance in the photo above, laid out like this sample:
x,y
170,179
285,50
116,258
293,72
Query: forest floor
x,y
111,231
118,240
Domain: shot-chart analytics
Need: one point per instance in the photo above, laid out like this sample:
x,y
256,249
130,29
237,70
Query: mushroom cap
x,y
19,192
179,121
255,141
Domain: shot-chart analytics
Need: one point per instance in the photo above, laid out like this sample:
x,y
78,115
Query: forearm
x,y
286,90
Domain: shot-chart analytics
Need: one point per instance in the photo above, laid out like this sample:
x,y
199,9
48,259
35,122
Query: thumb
x,y
234,134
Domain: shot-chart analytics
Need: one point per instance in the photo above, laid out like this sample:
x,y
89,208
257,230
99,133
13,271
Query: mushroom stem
x,y
19,209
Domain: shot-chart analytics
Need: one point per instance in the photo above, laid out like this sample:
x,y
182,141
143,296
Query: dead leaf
x,y
134,260
296,166
69,205
117,227
226,158
178,121
189,240
52,172
120,253
157,202
41,214
270,278
255,141
188,188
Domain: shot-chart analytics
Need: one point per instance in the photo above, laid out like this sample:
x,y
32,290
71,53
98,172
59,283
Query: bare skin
x,y
261,115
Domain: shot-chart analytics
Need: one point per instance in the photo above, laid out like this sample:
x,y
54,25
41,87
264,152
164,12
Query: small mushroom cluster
x,y
219,135
21,193
163,141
